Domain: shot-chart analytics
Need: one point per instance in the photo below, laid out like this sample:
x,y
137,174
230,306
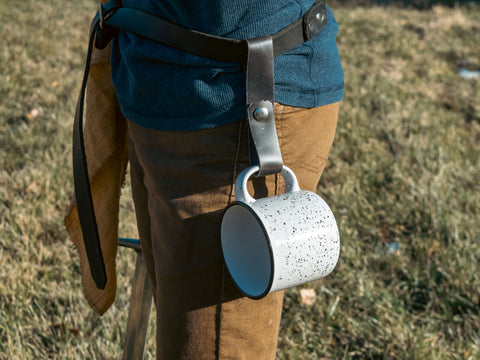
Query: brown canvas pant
x,y
182,182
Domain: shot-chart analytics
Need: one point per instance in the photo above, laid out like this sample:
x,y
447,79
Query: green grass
x,y
404,168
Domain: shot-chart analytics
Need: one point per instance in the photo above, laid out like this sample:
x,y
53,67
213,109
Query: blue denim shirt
x,y
163,88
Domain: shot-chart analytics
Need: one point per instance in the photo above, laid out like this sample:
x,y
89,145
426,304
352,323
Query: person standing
x,y
188,141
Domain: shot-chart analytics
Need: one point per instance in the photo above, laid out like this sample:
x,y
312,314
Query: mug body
x,y
279,242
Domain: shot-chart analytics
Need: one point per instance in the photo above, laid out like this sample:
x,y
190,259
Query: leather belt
x,y
255,54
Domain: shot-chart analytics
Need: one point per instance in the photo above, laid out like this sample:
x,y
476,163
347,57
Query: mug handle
x,y
241,192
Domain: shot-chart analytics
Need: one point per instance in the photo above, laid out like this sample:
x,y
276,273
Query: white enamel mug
x,y
278,242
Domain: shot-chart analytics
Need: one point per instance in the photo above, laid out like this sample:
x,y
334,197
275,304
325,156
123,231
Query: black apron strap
x,y
83,194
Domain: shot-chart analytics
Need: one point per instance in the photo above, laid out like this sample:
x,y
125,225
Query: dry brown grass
x,y
404,169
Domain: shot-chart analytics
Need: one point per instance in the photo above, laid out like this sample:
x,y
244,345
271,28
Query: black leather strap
x,y
213,47
112,17
83,194
174,35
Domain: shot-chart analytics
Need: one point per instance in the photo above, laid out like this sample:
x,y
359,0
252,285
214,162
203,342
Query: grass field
x,y
404,169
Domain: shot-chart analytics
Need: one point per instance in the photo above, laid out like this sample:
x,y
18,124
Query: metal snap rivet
x,y
261,113
320,16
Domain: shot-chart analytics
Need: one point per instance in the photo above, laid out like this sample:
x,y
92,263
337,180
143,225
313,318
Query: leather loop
x,y
259,70
263,146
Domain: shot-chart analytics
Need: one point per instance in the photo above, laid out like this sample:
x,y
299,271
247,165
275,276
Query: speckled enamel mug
x,y
278,242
